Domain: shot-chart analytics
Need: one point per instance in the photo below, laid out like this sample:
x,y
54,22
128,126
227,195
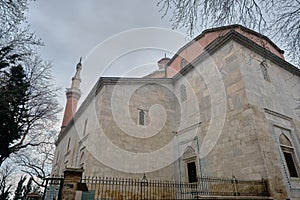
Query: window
x,y
189,164
57,156
183,95
183,63
142,117
264,71
290,164
84,128
289,156
192,174
68,146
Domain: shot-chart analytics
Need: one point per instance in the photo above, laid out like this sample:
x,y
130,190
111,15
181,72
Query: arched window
x,y
142,117
183,94
189,158
289,156
183,63
264,71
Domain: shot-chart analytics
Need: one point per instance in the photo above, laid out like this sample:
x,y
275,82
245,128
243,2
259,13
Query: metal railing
x,y
134,189
212,186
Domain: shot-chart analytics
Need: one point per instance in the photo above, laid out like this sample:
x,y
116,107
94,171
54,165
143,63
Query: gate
x,y
53,189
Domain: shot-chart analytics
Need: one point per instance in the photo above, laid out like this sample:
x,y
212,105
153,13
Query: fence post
x,y
72,177
45,188
234,181
266,187
144,184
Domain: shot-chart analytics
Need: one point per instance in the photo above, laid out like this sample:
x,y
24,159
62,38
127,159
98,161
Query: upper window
x,y
183,63
183,94
289,156
142,114
264,71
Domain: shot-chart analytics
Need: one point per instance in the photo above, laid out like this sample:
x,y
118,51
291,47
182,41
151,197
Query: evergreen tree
x,y
13,98
28,105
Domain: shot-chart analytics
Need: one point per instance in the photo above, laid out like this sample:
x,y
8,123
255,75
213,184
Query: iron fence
x,y
136,189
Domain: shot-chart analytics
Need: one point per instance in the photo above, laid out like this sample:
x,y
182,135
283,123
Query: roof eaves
x,y
220,29
233,35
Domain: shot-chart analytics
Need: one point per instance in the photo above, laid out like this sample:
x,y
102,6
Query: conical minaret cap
x,y
76,80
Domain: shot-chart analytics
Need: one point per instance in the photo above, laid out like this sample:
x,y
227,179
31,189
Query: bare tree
x,y
279,19
28,105
20,188
14,30
38,165
5,182
35,116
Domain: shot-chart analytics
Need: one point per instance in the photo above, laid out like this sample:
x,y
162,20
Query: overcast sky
x,y
72,28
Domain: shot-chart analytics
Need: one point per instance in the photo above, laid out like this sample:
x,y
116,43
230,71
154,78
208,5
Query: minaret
x,y
73,95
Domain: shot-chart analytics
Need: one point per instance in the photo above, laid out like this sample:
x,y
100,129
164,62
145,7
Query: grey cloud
x,y
72,28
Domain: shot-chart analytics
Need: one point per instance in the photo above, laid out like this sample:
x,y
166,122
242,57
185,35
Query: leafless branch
x,y
279,19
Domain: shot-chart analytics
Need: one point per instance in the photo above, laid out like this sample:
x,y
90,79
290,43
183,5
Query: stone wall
x,y
225,121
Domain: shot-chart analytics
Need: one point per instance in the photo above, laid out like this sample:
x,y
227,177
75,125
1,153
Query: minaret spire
x,y
76,80
73,95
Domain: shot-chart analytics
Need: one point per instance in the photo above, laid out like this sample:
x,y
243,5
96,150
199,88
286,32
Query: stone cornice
x,y
276,114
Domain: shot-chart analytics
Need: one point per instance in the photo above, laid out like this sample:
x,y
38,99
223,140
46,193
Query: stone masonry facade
x,y
221,111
